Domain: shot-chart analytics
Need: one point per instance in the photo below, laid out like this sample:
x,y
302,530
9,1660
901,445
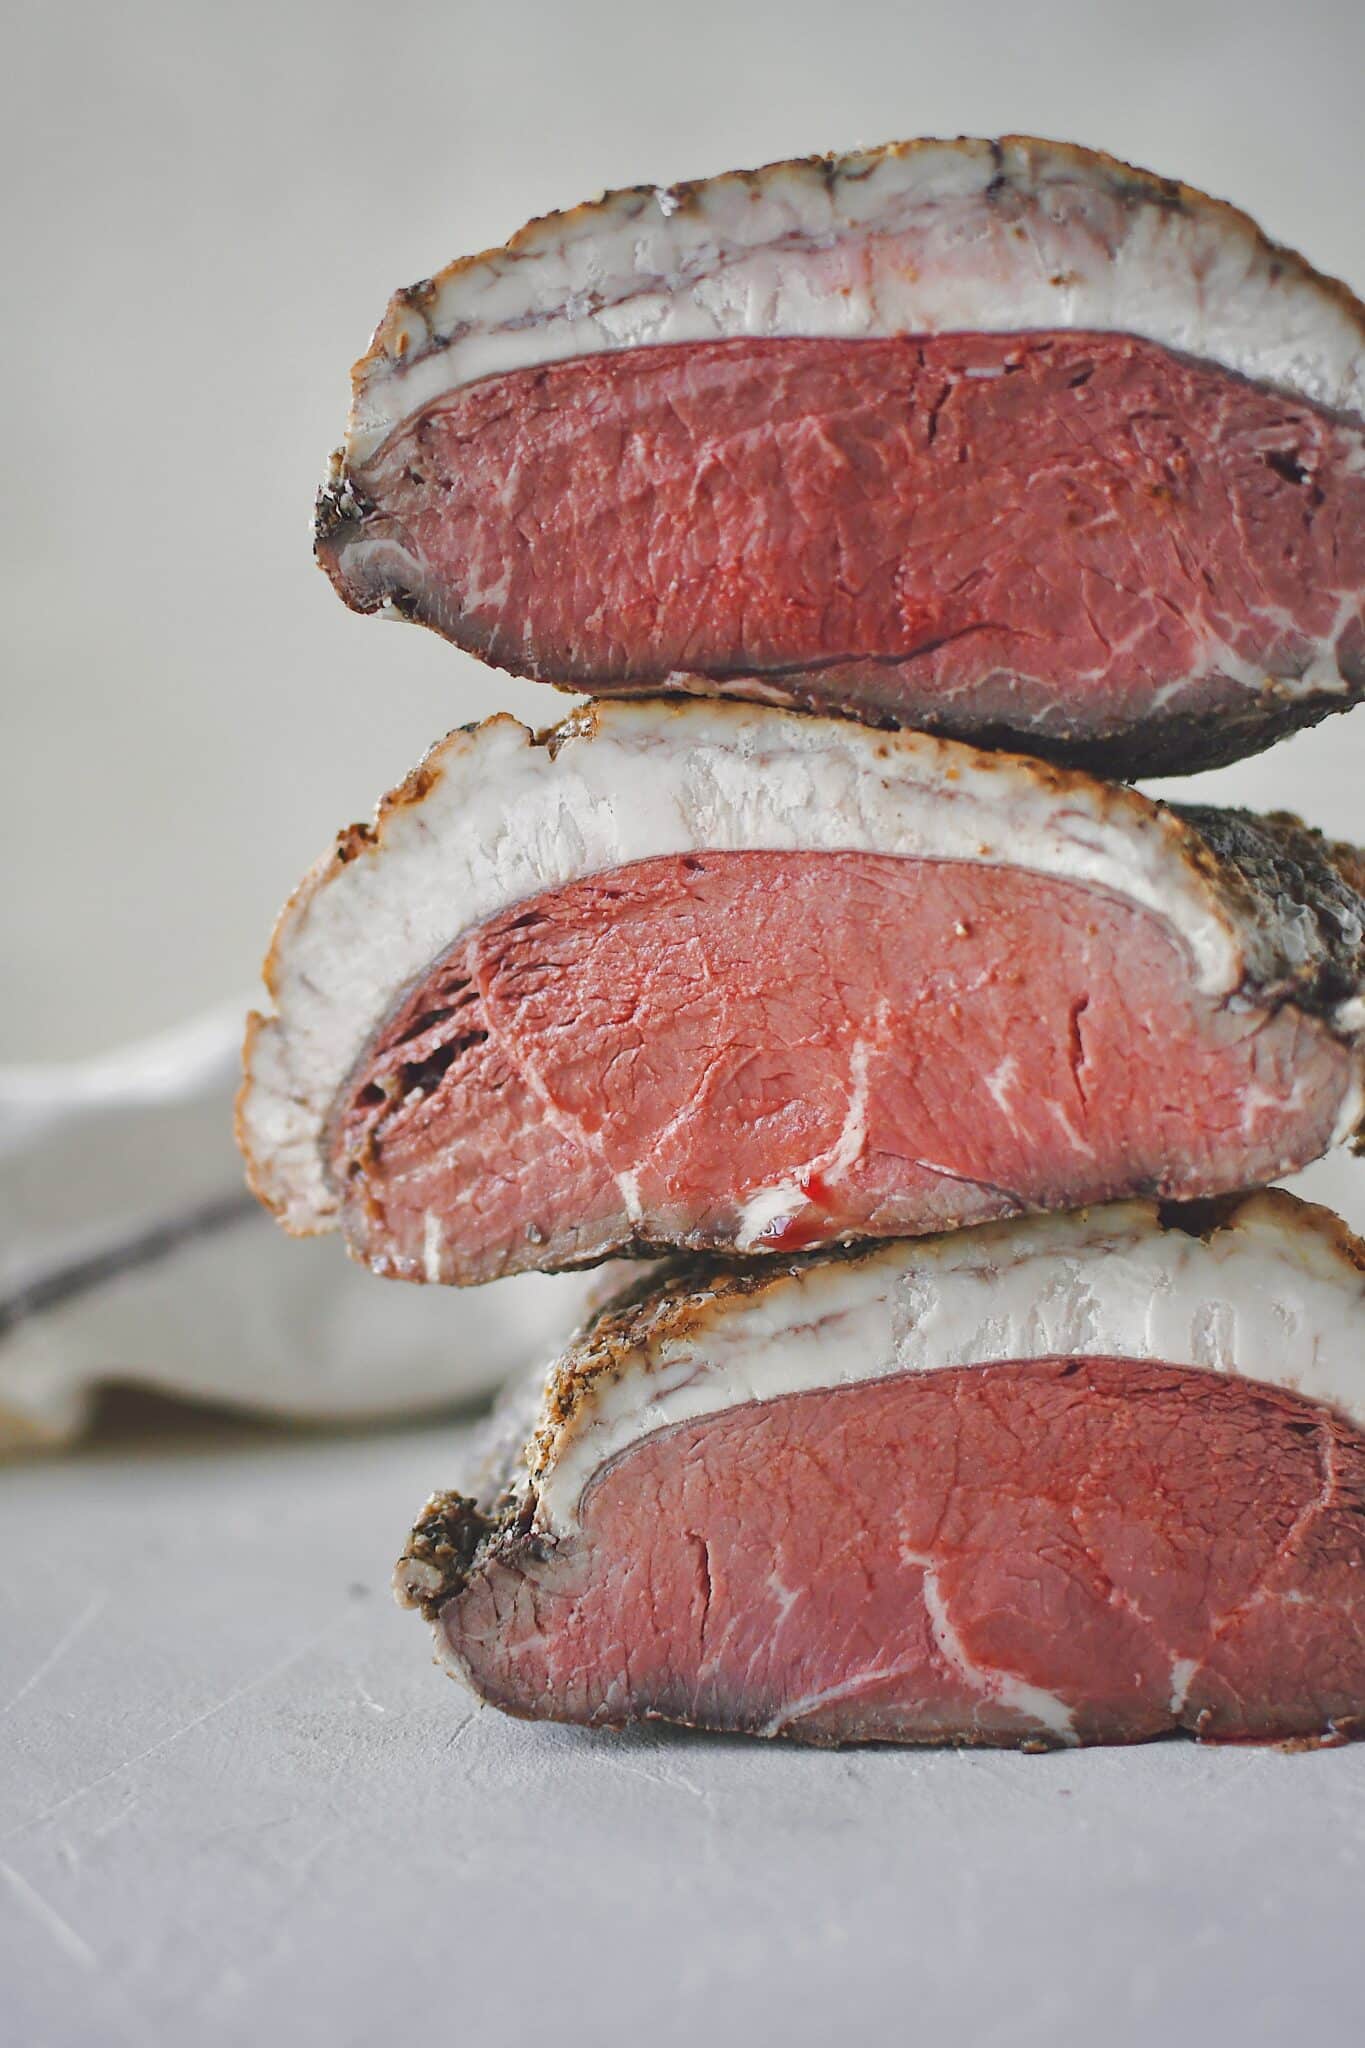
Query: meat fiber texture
x,y
1094,1478
729,978
1005,440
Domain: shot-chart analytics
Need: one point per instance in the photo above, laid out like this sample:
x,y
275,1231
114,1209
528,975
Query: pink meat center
x,y
1005,514
774,1050
1081,1547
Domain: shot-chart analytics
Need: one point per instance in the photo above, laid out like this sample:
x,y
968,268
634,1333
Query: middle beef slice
x,y
732,978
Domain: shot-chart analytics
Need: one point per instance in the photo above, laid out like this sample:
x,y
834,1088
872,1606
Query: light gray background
x,y
236,1805
209,206
242,1811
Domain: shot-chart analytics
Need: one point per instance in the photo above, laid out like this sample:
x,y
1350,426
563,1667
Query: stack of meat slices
x,y
985,1408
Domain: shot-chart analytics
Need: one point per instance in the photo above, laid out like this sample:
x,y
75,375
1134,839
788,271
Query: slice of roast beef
x,y
1090,1478
725,977
1006,440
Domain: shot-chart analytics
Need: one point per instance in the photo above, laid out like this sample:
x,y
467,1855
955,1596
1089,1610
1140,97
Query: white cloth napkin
x,y
131,1251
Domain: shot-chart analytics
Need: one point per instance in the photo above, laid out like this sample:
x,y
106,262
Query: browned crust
x,y
1136,185
1277,866
672,1302
440,1552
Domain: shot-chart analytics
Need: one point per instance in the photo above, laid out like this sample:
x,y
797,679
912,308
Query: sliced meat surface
x,y
1082,544
827,1506
762,1051
1078,1549
1005,439
730,978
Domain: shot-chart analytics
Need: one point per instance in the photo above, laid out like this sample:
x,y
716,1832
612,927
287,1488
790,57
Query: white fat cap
x,y
919,238
495,816
1274,1294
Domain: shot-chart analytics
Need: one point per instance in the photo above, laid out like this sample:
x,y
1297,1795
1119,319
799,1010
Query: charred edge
x,y
415,788
352,841
417,296
1347,860
439,1557
636,1246
1284,868
1203,1217
339,507
998,181
343,515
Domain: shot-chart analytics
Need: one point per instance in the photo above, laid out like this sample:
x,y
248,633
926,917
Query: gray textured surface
x,y
238,1805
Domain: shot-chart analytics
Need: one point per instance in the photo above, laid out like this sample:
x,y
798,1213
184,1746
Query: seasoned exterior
x,y
1001,440
1095,1478
734,979
923,237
